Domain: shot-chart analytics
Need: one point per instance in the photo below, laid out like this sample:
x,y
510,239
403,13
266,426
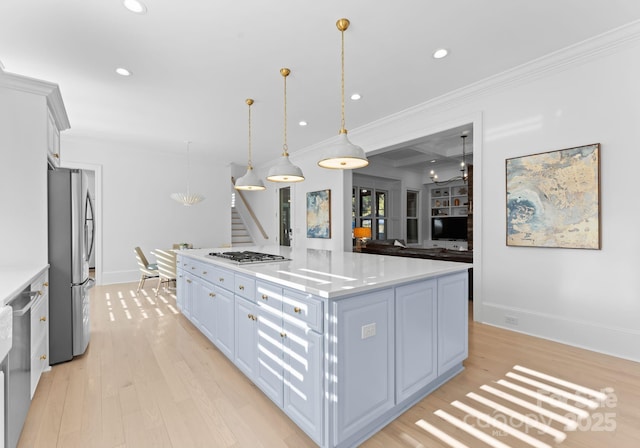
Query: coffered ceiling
x,y
194,62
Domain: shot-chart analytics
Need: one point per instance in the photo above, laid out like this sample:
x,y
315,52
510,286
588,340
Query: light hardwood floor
x,y
150,379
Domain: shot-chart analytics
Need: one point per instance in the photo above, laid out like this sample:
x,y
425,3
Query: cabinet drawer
x,y
222,278
245,286
269,296
302,309
39,321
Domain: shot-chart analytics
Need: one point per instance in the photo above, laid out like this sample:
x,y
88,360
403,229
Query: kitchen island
x,y
342,342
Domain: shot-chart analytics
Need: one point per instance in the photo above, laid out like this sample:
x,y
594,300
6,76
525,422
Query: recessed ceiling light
x,y
440,53
303,123
135,6
433,161
123,71
356,96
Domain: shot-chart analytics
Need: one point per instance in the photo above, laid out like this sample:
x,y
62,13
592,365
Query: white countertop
x,y
332,274
13,279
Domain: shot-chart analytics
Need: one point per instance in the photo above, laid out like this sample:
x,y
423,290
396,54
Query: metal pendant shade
x,y
284,170
187,198
249,181
343,154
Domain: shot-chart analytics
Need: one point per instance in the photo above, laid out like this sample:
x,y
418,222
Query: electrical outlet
x,y
368,330
511,320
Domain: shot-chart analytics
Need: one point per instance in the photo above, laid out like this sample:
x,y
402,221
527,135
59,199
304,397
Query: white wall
x,y
585,94
23,178
137,209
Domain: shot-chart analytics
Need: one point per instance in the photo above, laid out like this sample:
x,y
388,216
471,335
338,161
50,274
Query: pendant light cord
x,y
250,102
342,121
188,166
285,147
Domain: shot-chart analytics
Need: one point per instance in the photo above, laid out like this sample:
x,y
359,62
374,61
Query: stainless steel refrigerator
x,y
71,238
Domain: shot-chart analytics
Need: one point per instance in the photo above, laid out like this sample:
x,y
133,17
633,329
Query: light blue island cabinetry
x,y
343,343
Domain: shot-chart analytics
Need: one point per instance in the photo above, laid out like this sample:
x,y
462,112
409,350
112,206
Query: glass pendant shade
x,y
187,198
344,155
249,181
284,170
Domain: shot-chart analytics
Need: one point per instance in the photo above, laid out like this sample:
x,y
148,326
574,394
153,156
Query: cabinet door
x,y
246,347
189,287
270,370
416,326
453,325
303,397
180,289
223,317
204,308
364,361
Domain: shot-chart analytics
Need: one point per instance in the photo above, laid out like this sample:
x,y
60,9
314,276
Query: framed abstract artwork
x,y
553,199
319,214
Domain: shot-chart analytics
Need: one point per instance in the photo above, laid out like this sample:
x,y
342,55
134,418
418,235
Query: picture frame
x,y
319,214
553,199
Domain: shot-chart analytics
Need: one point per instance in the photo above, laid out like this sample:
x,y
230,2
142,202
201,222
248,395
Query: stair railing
x,y
250,210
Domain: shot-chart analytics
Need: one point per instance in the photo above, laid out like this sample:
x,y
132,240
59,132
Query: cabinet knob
x,y
251,316
265,297
221,279
43,357
204,272
297,310
43,319
193,267
241,288
283,335
188,281
39,293
56,155
45,284
212,294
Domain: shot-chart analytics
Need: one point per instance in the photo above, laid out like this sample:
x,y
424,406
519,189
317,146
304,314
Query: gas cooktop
x,y
248,257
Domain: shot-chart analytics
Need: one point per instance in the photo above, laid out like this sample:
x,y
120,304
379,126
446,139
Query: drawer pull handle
x,y
193,267
221,279
297,310
212,294
56,155
43,357
265,297
251,316
39,293
188,281
241,288
45,284
43,319
283,335
204,272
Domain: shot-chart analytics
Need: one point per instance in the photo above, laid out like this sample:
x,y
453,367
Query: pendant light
x,y
187,198
249,181
284,170
463,164
344,155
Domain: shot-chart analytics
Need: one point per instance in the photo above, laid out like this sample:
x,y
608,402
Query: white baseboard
x,y
620,342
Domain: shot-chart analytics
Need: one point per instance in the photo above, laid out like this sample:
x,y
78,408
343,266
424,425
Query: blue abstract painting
x,y
319,214
553,199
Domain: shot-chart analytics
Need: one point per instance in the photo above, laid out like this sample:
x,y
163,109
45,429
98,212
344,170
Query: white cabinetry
x,y
246,334
453,325
39,330
365,361
416,327
53,140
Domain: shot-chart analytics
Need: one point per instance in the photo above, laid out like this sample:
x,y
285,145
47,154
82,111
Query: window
x,y
369,209
413,219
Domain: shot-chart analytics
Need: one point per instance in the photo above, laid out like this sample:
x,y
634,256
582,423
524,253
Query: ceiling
x,y
194,62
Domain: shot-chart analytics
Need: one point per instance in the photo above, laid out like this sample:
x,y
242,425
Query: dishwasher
x,y
17,371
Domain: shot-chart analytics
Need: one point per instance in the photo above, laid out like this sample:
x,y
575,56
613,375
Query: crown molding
x,y
606,43
38,87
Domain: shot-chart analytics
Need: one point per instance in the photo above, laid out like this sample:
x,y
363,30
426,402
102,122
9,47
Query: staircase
x,y
239,233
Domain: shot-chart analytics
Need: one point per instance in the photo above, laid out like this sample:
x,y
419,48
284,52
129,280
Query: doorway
x,y
285,216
